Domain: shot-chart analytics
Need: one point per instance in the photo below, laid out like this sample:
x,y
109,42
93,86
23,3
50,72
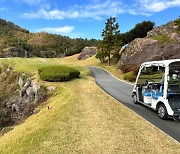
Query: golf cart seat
x,y
147,93
157,95
153,94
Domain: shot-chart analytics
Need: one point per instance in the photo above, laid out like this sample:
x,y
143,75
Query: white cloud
x,y
93,11
31,2
158,5
99,9
3,9
57,30
148,7
53,14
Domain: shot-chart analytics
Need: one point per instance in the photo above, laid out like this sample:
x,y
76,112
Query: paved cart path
x,y
121,91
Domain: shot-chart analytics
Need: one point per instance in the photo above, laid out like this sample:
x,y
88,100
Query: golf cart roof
x,y
160,63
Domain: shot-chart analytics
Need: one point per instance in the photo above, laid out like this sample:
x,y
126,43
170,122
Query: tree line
x,y
40,44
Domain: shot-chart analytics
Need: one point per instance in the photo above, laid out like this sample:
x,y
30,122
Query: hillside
x,y
18,42
161,43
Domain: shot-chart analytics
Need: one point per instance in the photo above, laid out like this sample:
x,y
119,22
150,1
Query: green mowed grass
x,y
31,65
81,119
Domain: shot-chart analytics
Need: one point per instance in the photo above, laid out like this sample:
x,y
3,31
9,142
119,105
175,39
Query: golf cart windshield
x,y
174,79
154,73
150,82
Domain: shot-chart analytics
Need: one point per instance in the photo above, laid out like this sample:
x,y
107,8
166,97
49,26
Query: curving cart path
x,y
121,91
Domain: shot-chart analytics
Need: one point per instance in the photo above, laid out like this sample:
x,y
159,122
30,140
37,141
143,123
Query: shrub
x,y
163,39
57,73
153,76
5,117
177,23
130,76
2,97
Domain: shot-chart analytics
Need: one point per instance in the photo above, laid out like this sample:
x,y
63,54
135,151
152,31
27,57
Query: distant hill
x,y
163,42
14,39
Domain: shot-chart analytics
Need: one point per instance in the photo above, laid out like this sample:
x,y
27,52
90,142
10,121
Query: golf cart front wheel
x,y
162,111
134,99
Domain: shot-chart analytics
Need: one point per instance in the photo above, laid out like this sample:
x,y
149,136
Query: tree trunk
x,y
108,60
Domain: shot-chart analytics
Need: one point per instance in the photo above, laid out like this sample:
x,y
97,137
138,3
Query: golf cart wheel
x,y
176,118
134,99
162,111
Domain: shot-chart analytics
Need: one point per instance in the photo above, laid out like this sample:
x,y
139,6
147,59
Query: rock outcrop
x,y
161,43
87,52
169,30
14,52
20,96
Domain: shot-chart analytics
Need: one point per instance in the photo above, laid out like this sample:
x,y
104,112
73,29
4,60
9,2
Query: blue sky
x,y
86,18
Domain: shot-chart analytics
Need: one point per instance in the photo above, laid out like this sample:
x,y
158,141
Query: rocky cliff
x,y
161,43
19,96
87,52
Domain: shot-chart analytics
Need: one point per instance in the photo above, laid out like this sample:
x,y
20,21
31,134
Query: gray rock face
x,y
14,52
29,90
148,49
20,82
175,37
24,105
15,108
30,93
87,52
168,29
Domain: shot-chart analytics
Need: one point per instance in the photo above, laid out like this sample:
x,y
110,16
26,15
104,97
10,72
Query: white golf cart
x,y
158,87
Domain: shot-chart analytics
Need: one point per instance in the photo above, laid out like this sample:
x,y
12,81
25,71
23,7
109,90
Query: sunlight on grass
x,y
31,65
81,118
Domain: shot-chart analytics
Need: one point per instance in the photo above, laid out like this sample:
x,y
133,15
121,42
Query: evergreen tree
x,y
177,23
102,52
109,34
139,31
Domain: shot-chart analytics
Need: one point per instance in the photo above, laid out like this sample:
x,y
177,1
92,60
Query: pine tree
x,y
109,34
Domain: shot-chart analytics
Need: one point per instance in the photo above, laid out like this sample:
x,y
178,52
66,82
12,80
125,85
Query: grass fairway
x,y
31,65
82,119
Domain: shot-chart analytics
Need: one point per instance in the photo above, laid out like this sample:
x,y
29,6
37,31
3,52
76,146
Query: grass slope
x,y
31,65
82,119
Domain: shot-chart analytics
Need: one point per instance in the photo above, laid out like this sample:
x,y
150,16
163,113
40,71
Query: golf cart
x,y
158,86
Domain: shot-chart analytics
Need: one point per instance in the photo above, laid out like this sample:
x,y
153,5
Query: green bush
x,y
153,76
5,117
177,23
57,73
164,39
130,76
2,97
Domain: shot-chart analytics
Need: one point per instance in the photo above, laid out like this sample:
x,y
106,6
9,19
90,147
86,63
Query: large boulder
x,y
14,52
161,43
87,52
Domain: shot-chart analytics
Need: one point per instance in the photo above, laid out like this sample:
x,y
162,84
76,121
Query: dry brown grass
x,y
83,119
